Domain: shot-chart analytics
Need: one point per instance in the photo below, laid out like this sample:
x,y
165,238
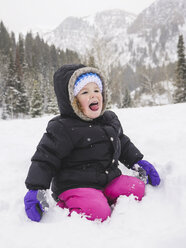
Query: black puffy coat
x,y
79,153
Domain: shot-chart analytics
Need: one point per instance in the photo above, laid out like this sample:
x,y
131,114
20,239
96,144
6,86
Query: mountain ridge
x,y
149,38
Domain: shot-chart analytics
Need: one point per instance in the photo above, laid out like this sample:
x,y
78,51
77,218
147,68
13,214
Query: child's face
x,y
91,100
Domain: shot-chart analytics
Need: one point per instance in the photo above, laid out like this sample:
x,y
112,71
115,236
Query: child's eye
x,y
84,92
97,91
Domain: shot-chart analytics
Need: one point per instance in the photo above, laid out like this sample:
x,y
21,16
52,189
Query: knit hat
x,y
86,78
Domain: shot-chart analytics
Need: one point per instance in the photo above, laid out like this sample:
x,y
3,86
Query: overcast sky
x,y
21,16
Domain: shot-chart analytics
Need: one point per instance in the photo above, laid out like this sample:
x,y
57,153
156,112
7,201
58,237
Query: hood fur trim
x,y
73,100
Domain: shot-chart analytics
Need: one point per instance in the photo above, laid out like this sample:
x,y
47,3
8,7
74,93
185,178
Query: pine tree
x,y
21,52
127,102
5,42
22,103
4,59
19,60
3,76
90,60
23,100
10,96
37,55
52,107
54,58
4,114
29,50
180,92
36,101
13,44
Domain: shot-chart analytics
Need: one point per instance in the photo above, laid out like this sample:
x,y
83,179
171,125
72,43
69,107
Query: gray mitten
x,y
142,175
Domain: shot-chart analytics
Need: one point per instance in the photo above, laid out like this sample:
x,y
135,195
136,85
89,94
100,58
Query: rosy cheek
x,y
84,104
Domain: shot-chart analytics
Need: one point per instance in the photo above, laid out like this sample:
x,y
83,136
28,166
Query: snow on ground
x,y
159,220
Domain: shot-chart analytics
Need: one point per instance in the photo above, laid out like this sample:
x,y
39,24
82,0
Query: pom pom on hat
x,y
86,78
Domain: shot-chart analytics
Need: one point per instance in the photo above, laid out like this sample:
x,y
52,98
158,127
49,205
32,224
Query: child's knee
x,y
125,185
97,209
88,201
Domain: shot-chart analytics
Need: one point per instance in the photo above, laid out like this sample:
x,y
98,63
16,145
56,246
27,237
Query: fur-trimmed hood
x,y
64,79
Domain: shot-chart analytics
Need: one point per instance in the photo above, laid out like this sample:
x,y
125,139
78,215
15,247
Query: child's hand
x,y
153,176
35,204
142,175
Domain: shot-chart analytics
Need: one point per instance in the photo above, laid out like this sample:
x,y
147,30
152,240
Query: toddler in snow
x,y
79,153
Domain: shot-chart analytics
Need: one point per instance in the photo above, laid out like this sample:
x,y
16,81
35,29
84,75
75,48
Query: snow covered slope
x,y
158,221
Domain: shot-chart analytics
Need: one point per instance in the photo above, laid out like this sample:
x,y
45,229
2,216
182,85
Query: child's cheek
x,y
85,104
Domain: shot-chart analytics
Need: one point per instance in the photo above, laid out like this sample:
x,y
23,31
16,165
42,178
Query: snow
x,y
159,220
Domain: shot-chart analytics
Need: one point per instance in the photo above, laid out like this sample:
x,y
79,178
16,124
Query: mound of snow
x,y
159,220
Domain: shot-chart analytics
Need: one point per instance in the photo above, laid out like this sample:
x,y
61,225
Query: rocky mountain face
x,y
158,28
147,39
79,34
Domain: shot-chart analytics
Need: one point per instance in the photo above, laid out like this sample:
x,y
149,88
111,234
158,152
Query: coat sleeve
x,y
46,162
129,152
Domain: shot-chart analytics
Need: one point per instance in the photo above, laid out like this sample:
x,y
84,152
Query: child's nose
x,y
92,94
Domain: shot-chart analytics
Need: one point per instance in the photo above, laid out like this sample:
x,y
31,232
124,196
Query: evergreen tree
x,y
180,92
29,50
18,65
5,114
52,107
13,45
3,76
21,52
11,94
5,43
36,101
46,62
127,102
54,57
91,61
4,59
36,56
22,103
71,57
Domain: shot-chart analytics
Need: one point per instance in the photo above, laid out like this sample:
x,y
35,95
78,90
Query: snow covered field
x,y
159,220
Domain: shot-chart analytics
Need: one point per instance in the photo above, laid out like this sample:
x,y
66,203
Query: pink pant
x,y
94,203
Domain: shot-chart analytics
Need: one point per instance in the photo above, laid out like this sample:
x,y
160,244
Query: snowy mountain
x,y
158,28
158,221
149,38
73,33
79,33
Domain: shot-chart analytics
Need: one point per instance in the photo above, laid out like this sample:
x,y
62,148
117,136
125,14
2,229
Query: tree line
x,y
27,66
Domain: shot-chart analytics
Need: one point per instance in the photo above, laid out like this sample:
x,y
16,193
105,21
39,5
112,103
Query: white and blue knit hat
x,y
86,78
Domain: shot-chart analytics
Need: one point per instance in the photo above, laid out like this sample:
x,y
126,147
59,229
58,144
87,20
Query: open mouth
x,y
94,106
